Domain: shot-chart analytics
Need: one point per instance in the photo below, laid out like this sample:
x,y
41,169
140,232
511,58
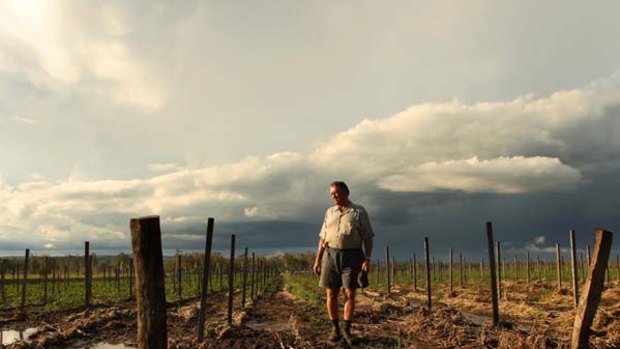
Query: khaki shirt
x,y
346,229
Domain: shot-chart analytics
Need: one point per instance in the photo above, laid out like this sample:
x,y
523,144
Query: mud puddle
x,y
11,336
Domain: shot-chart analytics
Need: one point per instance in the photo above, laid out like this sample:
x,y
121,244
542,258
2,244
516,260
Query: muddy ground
x,y
277,319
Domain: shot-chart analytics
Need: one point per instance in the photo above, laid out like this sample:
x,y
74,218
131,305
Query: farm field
x,y
288,312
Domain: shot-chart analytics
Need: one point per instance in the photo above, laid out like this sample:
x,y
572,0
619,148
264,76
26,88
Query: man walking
x,y
340,260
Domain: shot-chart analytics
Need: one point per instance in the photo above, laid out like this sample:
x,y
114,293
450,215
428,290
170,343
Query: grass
x,y
303,286
70,294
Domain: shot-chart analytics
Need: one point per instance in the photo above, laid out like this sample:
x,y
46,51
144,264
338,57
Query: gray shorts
x,y
340,268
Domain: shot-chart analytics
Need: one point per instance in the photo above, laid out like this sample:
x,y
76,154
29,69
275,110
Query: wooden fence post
x,y
515,268
592,290
450,272
118,276
492,268
206,272
461,269
529,274
573,259
22,311
231,278
387,268
559,265
245,276
428,275
150,287
617,264
252,277
415,274
45,271
86,279
179,276
499,269
90,278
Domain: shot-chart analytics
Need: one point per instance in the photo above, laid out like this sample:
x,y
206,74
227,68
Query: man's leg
x,y
349,309
349,303
332,311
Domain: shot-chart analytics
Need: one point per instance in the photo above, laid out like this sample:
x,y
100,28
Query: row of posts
x,y
586,305
150,288
88,279
256,270
389,269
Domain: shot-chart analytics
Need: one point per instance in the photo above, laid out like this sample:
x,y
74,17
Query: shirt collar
x,y
336,208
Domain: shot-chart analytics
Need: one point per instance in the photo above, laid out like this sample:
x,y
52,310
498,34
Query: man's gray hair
x,y
341,186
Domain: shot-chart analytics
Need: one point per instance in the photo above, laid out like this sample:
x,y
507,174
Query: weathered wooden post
x,y
206,273
118,276
481,268
450,271
150,287
387,268
231,279
573,260
559,265
245,276
588,255
428,275
461,269
494,283
252,277
592,290
22,311
86,278
415,274
608,272
529,275
499,269
179,276
45,272
515,268
538,267
617,264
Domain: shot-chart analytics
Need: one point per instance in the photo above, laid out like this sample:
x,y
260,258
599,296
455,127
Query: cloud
x,y
539,240
568,129
251,211
58,47
16,119
409,167
501,175
164,167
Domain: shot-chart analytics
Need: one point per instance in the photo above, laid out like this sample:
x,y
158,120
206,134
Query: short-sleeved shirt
x,y
348,229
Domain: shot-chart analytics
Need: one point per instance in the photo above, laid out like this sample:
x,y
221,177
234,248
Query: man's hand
x,y
317,268
366,265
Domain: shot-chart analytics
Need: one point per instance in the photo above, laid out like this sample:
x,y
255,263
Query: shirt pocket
x,y
331,225
350,227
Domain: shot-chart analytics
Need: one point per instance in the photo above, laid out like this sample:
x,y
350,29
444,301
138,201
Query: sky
x,y
440,115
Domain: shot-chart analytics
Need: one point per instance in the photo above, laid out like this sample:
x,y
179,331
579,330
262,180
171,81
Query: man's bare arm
x,y
367,253
319,256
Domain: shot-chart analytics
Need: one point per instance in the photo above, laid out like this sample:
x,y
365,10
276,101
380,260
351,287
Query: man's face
x,y
339,197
